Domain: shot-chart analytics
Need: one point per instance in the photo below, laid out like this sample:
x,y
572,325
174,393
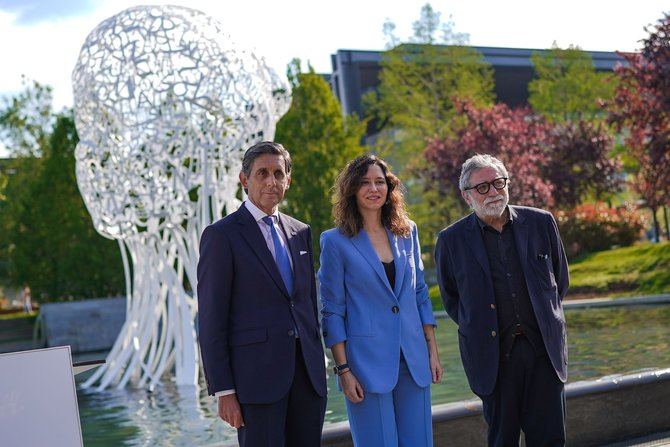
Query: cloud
x,y
29,12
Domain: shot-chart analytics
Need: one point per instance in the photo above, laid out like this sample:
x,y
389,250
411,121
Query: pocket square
x,y
302,252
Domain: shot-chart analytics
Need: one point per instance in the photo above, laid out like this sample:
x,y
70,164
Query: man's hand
x,y
229,410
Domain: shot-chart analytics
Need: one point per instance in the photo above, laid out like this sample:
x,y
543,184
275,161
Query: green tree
x,y
26,119
420,83
18,173
418,86
48,239
4,181
420,80
567,86
24,123
321,141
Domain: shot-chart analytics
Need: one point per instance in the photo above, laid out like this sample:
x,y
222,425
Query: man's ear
x,y
243,179
466,197
288,182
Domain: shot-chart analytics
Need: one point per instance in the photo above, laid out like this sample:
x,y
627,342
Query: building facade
x,y
356,72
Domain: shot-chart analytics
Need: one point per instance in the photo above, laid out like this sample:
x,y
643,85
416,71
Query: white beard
x,y
487,209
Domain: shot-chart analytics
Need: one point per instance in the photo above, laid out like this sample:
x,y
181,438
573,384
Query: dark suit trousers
x,y
528,396
296,420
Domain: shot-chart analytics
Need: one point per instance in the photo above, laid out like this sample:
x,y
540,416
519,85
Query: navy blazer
x,y
247,317
376,321
466,286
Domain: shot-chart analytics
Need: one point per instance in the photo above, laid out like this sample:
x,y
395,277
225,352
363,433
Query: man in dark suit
x,y
503,274
258,320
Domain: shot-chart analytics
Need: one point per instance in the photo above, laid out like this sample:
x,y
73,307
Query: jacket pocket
x,y
545,273
248,337
358,325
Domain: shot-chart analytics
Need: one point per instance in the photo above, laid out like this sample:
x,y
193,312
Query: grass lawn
x,y
18,315
638,270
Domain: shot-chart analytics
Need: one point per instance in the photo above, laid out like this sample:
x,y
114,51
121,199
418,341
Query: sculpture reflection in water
x,y
165,105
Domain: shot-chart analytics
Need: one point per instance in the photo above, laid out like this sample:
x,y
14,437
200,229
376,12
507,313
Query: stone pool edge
x,y
609,409
600,302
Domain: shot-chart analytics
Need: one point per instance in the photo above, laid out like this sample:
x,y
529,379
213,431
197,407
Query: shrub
x,y
594,227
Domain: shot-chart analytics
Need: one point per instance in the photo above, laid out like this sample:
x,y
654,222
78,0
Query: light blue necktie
x,y
281,256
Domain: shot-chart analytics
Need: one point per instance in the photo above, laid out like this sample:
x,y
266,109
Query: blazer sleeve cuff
x,y
426,313
218,382
224,393
333,330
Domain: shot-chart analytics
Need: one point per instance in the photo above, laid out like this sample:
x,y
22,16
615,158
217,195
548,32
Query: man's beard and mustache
x,y
492,206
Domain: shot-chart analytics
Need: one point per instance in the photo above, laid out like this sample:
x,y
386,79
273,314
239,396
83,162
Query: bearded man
x,y
503,273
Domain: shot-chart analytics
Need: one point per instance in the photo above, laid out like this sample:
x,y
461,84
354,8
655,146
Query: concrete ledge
x,y
606,410
89,325
600,302
616,408
614,302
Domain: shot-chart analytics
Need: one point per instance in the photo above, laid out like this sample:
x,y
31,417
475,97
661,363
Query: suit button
x,y
493,333
325,334
493,306
291,303
291,333
395,309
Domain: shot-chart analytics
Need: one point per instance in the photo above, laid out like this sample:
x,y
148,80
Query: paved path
x,y
657,440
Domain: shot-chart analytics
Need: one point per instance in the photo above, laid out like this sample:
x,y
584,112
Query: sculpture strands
x,y
165,104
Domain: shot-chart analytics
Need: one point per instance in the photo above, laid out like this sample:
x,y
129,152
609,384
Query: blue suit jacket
x,y
247,317
465,282
358,305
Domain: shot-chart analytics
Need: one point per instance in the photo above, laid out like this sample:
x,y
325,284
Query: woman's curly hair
x,y
346,215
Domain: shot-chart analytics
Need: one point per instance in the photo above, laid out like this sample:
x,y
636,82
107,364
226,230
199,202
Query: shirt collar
x,y
510,219
257,213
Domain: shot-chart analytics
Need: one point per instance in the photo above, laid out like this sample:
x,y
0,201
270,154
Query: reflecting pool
x,y
601,342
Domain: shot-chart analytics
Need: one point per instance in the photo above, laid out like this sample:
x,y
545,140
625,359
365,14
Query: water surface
x,y
601,342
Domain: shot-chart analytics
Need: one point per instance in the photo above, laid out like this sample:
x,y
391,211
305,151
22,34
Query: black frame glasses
x,y
484,187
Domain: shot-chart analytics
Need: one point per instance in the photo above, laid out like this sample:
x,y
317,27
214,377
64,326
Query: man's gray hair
x,y
265,147
476,162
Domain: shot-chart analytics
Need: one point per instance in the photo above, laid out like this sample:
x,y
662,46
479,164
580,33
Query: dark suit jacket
x,y
466,286
247,317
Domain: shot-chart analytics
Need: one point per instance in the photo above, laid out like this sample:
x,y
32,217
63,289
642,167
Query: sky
x,y
41,39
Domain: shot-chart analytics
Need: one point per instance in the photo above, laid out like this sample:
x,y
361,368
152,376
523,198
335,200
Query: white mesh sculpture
x,y
165,105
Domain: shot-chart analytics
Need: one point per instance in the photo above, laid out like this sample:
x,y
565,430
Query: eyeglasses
x,y
484,187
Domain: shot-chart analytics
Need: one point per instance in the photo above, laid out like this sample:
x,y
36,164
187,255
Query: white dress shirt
x,y
258,215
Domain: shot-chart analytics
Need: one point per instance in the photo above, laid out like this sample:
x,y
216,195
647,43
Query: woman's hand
x,y
436,369
351,388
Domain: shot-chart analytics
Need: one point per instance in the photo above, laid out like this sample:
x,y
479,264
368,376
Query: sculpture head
x,y
165,106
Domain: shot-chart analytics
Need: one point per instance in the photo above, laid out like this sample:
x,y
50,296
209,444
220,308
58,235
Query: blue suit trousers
x,y
399,418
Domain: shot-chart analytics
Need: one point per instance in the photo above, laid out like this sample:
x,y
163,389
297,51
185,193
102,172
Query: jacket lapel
x,y
520,237
400,259
362,243
253,236
478,249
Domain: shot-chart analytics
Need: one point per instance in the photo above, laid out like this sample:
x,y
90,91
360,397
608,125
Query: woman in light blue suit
x,y
377,318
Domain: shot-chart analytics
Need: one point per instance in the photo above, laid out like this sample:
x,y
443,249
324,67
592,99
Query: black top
x,y
389,268
514,309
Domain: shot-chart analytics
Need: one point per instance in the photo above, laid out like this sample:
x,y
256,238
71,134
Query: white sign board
x,y
38,399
